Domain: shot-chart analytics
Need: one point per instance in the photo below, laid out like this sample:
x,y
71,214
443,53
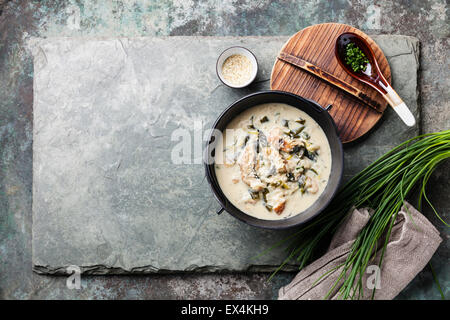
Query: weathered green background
x,y
426,20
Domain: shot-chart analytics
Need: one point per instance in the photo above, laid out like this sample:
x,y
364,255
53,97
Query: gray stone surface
x,y
106,195
19,20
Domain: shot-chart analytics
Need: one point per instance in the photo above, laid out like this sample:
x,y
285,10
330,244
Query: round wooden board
x,y
315,44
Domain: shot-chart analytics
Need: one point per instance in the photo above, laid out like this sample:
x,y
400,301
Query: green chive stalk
x,y
382,186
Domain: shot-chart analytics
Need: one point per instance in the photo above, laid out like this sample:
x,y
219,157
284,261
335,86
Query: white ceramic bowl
x,y
236,50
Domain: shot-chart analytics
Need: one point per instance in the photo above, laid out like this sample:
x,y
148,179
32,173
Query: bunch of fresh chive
x,y
382,186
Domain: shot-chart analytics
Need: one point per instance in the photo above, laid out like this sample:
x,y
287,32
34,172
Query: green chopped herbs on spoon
x,y
382,186
355,58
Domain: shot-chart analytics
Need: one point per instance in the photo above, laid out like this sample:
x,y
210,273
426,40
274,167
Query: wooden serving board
x,y
315,44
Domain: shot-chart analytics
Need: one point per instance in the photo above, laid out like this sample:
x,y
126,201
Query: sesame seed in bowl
x,y
237,67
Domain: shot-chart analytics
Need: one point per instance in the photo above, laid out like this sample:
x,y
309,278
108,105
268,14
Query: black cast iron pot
x,y
320,115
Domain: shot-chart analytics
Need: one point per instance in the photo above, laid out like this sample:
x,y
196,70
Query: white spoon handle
x,y
399,106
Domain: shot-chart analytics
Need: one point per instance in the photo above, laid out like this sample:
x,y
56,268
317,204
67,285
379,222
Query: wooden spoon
x,y
372,76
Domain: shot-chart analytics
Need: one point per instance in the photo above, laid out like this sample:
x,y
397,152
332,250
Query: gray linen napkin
x,y
411,245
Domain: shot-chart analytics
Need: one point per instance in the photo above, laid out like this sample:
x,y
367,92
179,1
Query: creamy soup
x,y
273,162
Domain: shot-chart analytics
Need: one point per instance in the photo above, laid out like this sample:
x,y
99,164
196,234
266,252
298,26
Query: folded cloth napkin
x,y
411,245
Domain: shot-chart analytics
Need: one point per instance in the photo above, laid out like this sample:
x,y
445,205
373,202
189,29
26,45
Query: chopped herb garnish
x,y
298,150
293,135
246,139
276,184
251,126
299,130
254,194
290,176
305,135
265,191
310,155
355,58
295,149
264,119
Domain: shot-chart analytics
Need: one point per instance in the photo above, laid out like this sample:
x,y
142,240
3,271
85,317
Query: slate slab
x,y
107,196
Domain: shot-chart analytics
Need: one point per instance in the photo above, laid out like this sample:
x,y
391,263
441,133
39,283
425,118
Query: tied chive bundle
x,y
355,58
382,186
